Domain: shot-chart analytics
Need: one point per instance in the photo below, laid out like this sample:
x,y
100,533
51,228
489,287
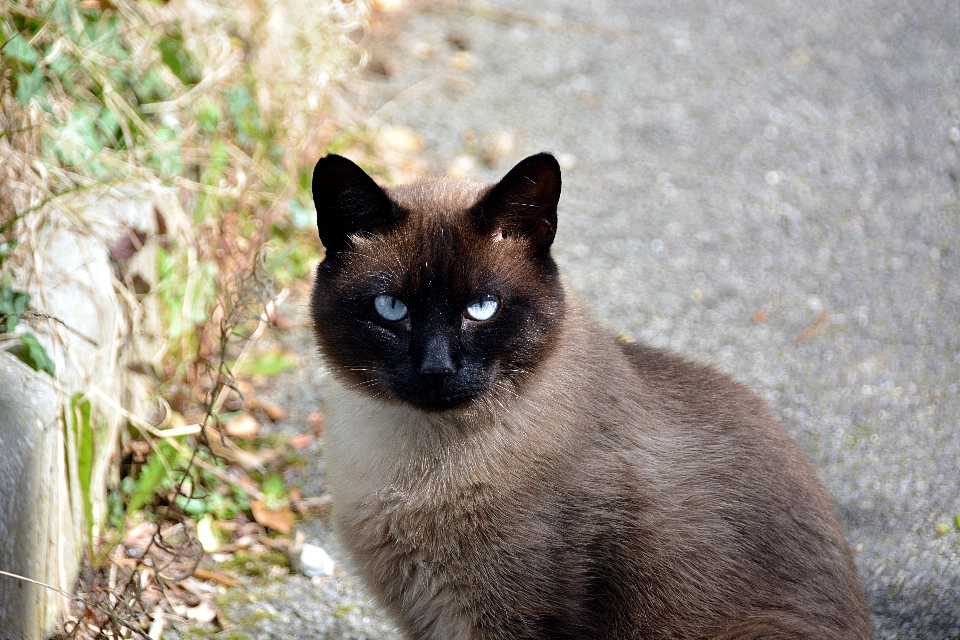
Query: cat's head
x,y
439,293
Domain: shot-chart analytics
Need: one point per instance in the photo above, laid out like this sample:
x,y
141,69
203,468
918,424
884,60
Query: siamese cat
x,y
504,469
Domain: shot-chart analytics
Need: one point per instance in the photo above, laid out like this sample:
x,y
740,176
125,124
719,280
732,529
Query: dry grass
x,y
220,109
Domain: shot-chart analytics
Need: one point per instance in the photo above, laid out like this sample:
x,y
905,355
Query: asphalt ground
x,y
768,186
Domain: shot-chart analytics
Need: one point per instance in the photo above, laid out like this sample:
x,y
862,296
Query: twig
x,y
219,473
45,316
143,425
124,623
169,434
211,79
810,331
226,581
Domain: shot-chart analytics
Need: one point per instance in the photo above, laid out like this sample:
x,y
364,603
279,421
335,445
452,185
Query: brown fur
x,y
597,491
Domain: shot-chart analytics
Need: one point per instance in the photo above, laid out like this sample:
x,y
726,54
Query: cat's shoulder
x,y
700,388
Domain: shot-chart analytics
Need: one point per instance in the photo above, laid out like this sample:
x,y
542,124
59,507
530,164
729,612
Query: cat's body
x,y
523,475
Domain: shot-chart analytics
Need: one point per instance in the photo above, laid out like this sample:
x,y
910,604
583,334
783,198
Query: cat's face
x,y
441,293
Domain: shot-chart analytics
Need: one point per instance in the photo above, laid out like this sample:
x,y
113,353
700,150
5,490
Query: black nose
x,y
436,358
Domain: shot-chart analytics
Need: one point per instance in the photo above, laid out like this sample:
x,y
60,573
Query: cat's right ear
x,y
348,202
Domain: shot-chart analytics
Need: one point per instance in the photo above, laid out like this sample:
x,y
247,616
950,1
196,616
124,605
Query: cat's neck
x,y
536,420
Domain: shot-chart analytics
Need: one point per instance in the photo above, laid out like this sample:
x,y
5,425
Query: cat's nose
x,y
437,360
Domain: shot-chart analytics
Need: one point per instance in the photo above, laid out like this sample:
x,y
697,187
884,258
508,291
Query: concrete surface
x,y
69,277
35,512
769,186
727,158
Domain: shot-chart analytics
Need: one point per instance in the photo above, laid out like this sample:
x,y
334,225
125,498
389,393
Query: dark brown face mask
x,y
434,309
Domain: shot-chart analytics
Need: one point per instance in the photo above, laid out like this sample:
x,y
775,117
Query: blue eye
x,y
483,308
389,308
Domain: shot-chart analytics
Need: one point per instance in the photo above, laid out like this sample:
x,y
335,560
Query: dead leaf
x,y
197,587
400,139
244,426
186,596
463,60
302,441
209,534
281,520
232,400
316,420
140,536
273,412
248,460
202,613
761,316
319,505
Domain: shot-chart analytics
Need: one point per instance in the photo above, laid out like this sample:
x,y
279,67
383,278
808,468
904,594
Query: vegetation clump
x,y
227,105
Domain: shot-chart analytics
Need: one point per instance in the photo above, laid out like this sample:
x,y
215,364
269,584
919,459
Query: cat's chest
x,y
390,457
392,480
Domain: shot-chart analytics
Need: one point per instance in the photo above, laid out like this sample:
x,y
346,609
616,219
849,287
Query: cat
x,y
502,468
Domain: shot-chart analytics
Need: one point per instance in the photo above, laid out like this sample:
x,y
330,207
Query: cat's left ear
x,y
524,203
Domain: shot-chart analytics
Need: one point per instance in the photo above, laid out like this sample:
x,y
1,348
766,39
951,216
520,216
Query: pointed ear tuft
x,y
348,202
524,203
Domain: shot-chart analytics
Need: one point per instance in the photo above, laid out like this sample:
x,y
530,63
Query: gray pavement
x,y
769,186
735,162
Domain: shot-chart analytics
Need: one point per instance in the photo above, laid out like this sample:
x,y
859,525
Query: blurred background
x,y
770,187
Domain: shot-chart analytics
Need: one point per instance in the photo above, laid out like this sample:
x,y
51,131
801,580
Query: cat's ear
x,y
348,202
524,203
